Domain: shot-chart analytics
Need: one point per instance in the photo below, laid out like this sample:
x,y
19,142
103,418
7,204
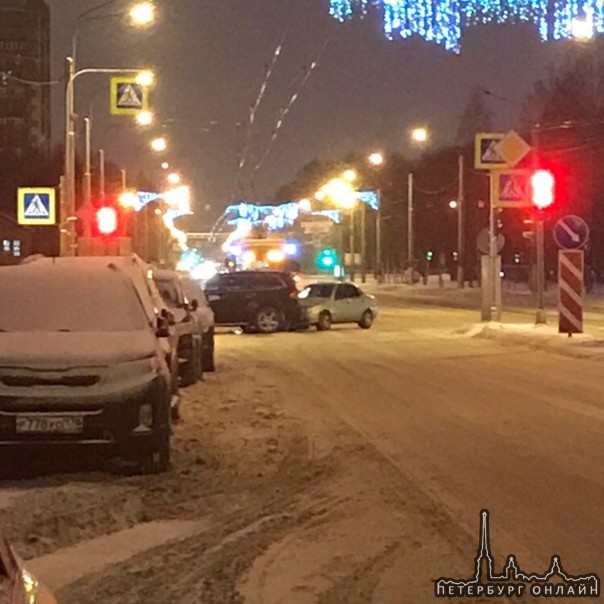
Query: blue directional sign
x,y
571,232
36,206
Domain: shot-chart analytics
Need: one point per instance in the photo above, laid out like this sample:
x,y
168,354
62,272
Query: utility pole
x,y
461,242
123,173
495,307
351,240
378,238
363,243
102,173
87,182
410,241
541,317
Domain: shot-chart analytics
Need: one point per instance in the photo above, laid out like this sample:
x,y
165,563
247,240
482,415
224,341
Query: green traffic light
x,y
327,259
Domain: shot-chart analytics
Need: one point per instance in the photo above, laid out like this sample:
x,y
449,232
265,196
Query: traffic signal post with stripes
x,y
570,291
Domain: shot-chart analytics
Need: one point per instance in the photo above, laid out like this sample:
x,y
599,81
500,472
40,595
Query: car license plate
x,y
49,424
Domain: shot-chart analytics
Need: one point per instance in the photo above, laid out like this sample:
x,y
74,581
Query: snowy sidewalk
x,y
539,337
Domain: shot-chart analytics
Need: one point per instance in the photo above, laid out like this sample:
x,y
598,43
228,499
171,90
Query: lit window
x,y
6,245
16,247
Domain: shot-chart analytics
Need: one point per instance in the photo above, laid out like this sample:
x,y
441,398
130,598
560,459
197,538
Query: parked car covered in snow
x,y
81,364
141,275
17,583
204,316
189,332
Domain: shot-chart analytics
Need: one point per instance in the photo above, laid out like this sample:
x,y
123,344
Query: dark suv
x,y
264,301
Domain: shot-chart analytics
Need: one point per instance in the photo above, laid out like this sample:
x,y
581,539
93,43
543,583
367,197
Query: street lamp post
x,y
87,180
352,245
461,240
102,173
141,14
410,231
68,218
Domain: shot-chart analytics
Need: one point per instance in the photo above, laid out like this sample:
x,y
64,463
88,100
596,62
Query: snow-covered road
x,y
343,467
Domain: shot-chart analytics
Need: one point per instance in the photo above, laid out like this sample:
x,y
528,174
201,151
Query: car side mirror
x,y
162,329
168,316
194,305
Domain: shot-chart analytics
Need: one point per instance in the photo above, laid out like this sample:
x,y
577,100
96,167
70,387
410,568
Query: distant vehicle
x,y
81,365
17,584
141,274
329,303
262,301
204,316
193,321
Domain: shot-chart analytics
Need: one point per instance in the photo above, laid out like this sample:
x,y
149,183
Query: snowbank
x,y
539,337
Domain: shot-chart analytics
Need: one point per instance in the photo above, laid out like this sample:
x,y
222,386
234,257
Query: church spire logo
x,y
513,582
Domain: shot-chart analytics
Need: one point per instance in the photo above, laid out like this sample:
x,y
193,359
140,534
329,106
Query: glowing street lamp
x,y
453,204
142,14
159,144
304,205
145,78
350,175
376,158
174,178
165,165
582,29
144,118
419,135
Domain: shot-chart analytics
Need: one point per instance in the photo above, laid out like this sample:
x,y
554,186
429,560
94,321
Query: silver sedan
x,y
329,303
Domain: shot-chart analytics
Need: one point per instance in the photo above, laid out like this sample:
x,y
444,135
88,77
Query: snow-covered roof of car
x,y
163,274
57,296
134,266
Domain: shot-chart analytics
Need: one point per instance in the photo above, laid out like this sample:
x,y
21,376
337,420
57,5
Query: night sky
x,y
211,56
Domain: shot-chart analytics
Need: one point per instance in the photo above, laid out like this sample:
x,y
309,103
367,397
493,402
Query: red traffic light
x,y
107,220
542,185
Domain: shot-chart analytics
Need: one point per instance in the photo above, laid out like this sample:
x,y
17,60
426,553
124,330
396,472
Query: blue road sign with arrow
x,y
571,232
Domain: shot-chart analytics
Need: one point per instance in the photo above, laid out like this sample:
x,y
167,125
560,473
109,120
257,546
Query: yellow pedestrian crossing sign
x,y
511,188
128,97
36,206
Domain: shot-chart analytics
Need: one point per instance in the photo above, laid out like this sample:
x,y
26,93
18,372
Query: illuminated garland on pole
x,y
441,21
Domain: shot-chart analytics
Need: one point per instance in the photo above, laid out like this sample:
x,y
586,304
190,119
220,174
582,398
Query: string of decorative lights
x,y
442,21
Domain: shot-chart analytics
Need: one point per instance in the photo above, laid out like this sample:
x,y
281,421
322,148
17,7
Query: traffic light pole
x,y
495,314
540,245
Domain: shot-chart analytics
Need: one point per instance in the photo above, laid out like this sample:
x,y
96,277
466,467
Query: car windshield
x,y
318,290
62,300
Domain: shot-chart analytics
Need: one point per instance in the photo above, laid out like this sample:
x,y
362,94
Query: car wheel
x,y
324,322
158,460
366,320
268,320
207,352
191,372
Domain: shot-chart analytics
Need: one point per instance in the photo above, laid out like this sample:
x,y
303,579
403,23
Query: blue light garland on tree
x,y
441,21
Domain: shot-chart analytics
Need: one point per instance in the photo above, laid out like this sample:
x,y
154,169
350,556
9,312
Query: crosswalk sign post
x,y
128,97
36,206
498,152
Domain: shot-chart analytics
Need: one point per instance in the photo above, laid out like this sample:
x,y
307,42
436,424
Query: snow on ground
x,y
346,467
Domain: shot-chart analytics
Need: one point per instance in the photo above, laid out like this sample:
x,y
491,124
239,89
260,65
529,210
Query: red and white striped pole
x,y
570,291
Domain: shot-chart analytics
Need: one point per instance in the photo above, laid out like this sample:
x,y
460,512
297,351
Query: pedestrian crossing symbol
x,y
511,188
36,206
128,97
487,155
